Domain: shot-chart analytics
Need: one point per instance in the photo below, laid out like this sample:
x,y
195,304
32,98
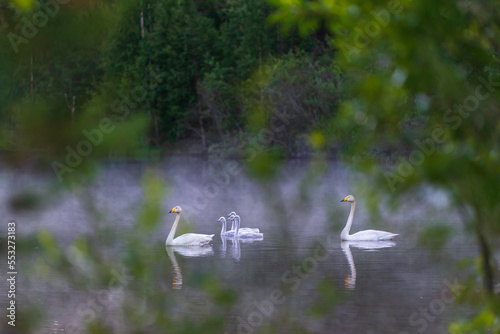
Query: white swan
x,y
230,234
223,231
188,239
245,232
373,235
242,229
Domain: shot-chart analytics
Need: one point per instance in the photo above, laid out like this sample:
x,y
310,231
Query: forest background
x,y
413,83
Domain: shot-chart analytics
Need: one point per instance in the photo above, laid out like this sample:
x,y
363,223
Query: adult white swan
x,y
369,235
188,239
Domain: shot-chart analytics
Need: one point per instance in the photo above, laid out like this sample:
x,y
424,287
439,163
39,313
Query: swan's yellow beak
x,y
172,211
343,200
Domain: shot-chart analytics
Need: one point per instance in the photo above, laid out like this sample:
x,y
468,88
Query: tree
x,y
424,75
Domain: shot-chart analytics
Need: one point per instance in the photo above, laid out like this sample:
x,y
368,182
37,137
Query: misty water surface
x,y
299,275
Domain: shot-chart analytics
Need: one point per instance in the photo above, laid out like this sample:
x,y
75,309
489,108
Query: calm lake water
x,y
299,278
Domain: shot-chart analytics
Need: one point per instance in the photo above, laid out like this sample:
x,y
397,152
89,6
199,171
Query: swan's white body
x,y
188,239
367,235
245,232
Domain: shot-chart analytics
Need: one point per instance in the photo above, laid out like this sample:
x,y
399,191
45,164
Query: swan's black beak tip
x,y
341,200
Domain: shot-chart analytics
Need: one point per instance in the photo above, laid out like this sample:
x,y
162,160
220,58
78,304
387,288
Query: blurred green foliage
x,y
435,236
183,67
150,213
114,77
423,78
413,82
328,296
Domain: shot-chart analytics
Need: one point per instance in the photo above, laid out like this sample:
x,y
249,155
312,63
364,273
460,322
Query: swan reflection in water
x,y
236,235
235,250
192,251
350,280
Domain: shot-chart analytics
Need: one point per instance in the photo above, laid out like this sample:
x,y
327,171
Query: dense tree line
x,y
79,78
192,69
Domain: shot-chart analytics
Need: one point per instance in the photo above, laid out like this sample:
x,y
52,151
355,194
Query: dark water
x,y
300,277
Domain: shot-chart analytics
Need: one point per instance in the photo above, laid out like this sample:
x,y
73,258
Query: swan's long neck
x,y
173,229
347,228
237,223
223,227
232,225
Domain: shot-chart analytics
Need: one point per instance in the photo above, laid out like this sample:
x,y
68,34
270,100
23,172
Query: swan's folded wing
x,y
388,236
249,230
373,235
192,239
250,235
